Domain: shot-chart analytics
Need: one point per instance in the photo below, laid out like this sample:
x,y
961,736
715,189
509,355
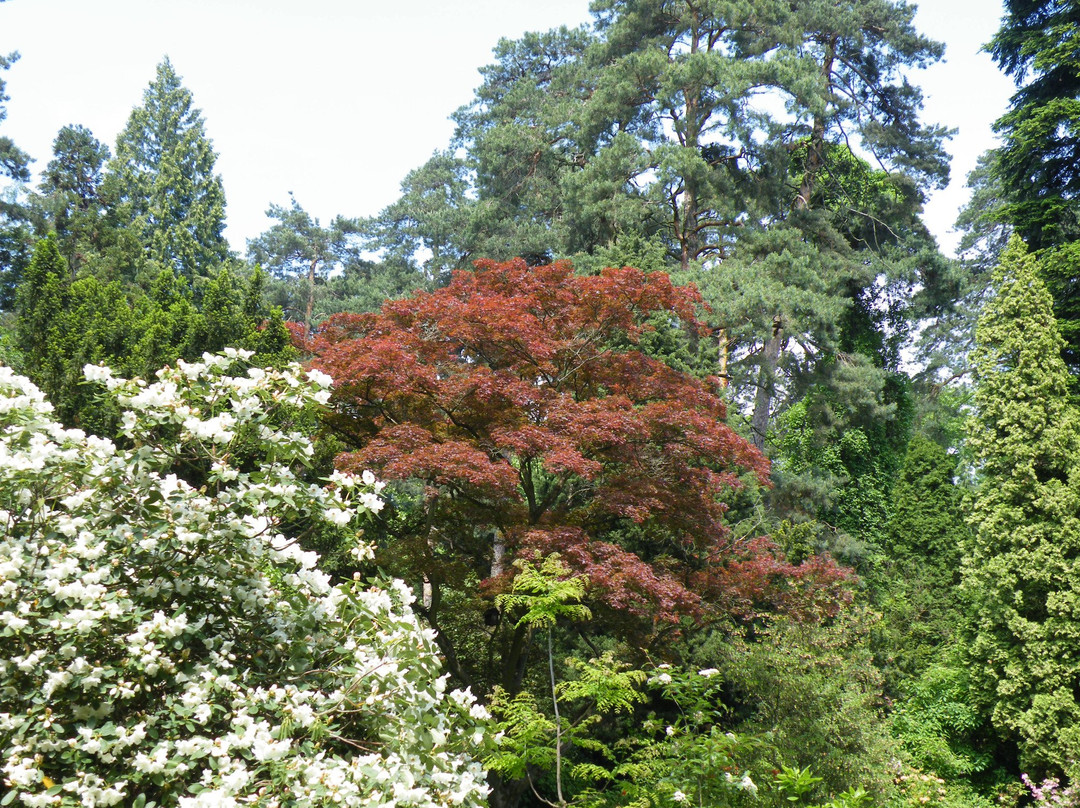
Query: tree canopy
x,y
161,181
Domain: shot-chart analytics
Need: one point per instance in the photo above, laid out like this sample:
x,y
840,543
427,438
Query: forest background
x,y
716,481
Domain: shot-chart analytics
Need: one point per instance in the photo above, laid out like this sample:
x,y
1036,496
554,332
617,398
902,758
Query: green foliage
x,y
533,743
1041,131
427,229
14,217
303,253
797,784
938,724
812,692
70,200
926,536
828,470
62,325
915,788
1021,574
161,183
544,594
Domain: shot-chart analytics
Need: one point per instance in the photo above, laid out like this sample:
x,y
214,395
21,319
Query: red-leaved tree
x,y
521,420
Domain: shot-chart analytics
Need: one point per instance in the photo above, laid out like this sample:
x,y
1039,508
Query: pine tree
x,y
1022,575
162,180
299,247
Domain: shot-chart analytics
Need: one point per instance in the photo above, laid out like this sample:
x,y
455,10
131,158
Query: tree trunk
x,y
498,553
723,348
770,354
816,147
310,296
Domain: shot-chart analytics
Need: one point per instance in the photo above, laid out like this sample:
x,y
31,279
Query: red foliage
x,y
507,395
298,335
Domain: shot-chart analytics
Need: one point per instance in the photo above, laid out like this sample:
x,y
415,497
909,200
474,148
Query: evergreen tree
x,y
926,537
14,217
1022,574
63,324
39,301
1040,152
70,191
161,182
430,223
298,247
1031,183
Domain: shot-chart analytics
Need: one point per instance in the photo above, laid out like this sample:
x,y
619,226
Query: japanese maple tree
x,y
520,416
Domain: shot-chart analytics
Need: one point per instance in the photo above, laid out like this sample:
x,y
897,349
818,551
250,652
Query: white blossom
x,y
156,615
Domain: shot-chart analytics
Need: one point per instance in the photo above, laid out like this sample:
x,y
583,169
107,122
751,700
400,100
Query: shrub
x,y
165,641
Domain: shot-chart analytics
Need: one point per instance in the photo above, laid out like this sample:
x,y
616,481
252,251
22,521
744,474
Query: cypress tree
x,y
1022,575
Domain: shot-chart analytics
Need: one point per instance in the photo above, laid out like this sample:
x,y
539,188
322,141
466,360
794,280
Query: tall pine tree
x,y
1022,575
162,182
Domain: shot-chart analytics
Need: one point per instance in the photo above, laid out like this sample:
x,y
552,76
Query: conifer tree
x,y
14,230
162,181
70,193
926,538
1023,572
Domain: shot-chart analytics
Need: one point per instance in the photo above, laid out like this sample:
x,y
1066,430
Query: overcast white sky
x,y
336,100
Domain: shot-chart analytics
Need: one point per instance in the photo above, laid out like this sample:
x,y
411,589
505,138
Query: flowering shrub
x,y
165,641
1050,794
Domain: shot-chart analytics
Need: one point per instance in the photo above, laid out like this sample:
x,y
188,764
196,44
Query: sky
x,y
336,100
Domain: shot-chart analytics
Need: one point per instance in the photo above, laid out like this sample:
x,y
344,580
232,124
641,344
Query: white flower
x,y
320,378
678,796
746,784
97,373
338,516
707,672
371,502
103,598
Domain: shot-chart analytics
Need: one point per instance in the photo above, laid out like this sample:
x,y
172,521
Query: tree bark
x,y
770,355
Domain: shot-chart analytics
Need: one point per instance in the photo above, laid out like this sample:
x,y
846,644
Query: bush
x,y
165,641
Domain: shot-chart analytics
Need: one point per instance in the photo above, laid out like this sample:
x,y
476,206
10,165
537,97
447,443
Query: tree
x,y
62,324
298,246
14,230
1022,572
927,537
162,184
1030,184
653,123
167,643
429,224
71,192
518,417
1041,131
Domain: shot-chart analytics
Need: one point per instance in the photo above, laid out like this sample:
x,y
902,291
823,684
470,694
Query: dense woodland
x,y
715,481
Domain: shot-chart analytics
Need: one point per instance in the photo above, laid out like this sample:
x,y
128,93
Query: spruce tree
x,y
162,181
1022,575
